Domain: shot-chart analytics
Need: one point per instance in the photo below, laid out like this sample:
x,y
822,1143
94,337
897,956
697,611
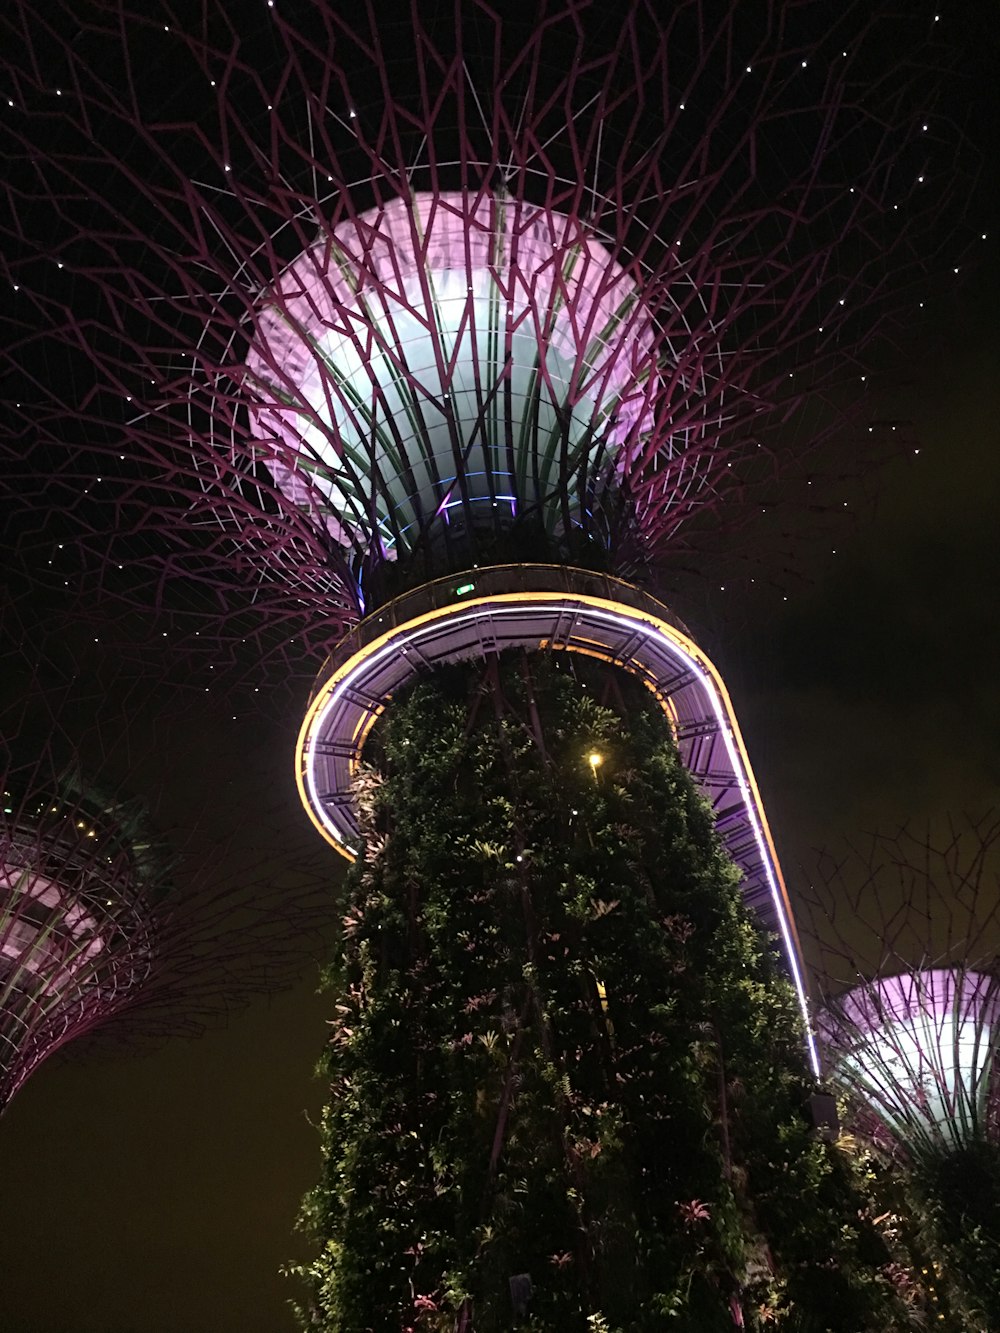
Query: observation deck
x,y
543,608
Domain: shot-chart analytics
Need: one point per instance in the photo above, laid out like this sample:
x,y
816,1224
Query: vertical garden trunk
x,y
567,1080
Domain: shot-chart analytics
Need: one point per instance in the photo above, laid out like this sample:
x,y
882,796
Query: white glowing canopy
x,y
443,351
920,1050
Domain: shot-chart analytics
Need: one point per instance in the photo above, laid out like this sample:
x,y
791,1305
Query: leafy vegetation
x,y
567,1085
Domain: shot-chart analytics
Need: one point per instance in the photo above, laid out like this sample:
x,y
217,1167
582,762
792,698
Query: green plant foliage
x,y
560,1047
956,1200
931,1288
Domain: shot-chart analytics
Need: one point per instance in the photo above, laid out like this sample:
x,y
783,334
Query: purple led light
x,y
403,640
920,1049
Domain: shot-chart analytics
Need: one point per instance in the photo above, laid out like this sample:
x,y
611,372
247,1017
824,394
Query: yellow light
x,y
595,760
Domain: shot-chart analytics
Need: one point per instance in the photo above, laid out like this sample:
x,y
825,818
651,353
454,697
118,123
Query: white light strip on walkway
x,y
486,610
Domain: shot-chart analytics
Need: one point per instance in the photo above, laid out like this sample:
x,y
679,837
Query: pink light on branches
x,y
111,930
600,278
905,934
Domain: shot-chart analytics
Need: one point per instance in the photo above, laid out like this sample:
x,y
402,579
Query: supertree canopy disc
x,y
445,356
920,1048
903,936
76,924
114,933
333,302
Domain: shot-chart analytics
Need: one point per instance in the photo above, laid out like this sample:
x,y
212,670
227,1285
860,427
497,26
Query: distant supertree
x,y
448,325
106,932
80,930
906,935
111,932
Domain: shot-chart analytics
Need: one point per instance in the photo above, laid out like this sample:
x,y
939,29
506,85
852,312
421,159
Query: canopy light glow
x,y
405,345
920,1050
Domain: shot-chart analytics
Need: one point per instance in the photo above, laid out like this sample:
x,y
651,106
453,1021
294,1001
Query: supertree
x,y
112,933
453,324
905,933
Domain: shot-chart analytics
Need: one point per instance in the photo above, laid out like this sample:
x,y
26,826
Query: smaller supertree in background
x,y
102,925
107,924
905,934
78,902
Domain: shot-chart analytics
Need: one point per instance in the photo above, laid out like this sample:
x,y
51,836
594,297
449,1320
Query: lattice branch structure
x,y
905,936
112,933
332,294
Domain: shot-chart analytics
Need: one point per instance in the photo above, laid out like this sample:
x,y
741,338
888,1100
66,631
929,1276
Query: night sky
x,y
155,1193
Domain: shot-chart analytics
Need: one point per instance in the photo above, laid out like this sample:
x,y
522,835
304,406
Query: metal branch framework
x,y
310,300
108,931
905,936
93,937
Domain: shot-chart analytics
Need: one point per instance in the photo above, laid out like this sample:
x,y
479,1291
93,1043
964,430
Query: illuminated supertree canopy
x,y
921,1048
906,934
110,930
76,933
386,296
425,335
109,933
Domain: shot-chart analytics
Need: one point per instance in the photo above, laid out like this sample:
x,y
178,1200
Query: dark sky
x,y
156,1193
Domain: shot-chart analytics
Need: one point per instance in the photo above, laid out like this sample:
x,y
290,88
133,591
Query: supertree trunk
x,y
567,1080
